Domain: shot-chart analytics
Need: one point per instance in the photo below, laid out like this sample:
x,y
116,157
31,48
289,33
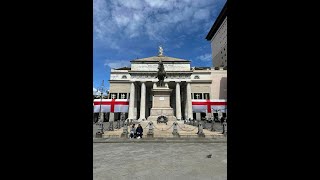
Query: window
x,y
206,95
124,77
197,96
196,77
225,54
113,95
122,95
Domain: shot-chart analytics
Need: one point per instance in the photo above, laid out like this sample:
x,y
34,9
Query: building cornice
x,y
218,22
120,81
201,81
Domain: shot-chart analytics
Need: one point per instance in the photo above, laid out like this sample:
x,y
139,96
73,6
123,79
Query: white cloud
x,y
205,57
116,21
96,92
116,63
202,14
135,4
163,4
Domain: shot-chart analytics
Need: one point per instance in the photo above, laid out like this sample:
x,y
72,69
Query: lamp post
x,y
101,117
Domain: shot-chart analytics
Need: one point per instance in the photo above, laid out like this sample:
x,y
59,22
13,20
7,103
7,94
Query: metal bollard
x,y
111,126
150,132
125,131
123,122
224,127
212,125
175,129
200,130
118,124
101,129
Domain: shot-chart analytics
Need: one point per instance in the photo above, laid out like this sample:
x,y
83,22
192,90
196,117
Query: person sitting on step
x,y
139,131
133,131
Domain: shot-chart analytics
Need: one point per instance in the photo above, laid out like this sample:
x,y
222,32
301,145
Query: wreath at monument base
x,y
162,119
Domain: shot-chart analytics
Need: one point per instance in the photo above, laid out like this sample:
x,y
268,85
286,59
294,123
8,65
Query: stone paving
x,y
159,161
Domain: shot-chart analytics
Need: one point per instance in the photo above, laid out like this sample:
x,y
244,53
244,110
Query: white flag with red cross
x,y
207,105
111,105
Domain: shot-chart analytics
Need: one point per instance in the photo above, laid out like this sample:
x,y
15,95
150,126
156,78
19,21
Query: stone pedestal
x,y
161,104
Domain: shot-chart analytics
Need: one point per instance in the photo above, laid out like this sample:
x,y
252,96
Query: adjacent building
x,y
218,37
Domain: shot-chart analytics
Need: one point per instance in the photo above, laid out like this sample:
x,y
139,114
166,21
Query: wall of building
x,y
119,75
117,87
219,84
219,46
200,87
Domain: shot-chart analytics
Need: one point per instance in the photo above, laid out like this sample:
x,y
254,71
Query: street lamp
x,y
101,117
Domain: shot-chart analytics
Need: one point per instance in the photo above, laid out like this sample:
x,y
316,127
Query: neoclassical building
x,y
188,84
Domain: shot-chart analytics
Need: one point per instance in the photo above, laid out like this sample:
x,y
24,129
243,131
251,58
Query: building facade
x,y
218,37
135,83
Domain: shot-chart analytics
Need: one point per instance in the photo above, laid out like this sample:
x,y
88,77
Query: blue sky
x,y
124,30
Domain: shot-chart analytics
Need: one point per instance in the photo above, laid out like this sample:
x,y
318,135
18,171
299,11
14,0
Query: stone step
x,y
165,131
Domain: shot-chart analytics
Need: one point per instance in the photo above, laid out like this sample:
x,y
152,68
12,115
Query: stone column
x,y
111,116
131,101
178,101
189,102
154,86
185,104
135,108
198,116
143,102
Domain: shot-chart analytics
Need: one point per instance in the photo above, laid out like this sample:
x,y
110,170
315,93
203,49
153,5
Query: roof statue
x,y
160,51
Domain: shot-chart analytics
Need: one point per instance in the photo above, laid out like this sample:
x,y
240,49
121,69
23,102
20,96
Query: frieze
x,y
154,67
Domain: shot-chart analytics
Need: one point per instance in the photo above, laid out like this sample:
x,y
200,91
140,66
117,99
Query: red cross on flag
x,y
205,105
111,105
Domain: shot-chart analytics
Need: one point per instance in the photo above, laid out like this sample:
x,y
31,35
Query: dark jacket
x,y
139,130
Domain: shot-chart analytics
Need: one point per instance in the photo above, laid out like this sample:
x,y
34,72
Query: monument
x,y
161,95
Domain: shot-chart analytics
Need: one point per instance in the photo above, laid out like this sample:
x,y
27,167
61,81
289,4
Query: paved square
x,y
159,161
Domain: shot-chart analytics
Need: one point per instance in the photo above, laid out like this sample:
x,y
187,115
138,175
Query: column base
x,y
142,119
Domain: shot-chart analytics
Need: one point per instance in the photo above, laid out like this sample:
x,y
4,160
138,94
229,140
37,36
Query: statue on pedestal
x,y
161,73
